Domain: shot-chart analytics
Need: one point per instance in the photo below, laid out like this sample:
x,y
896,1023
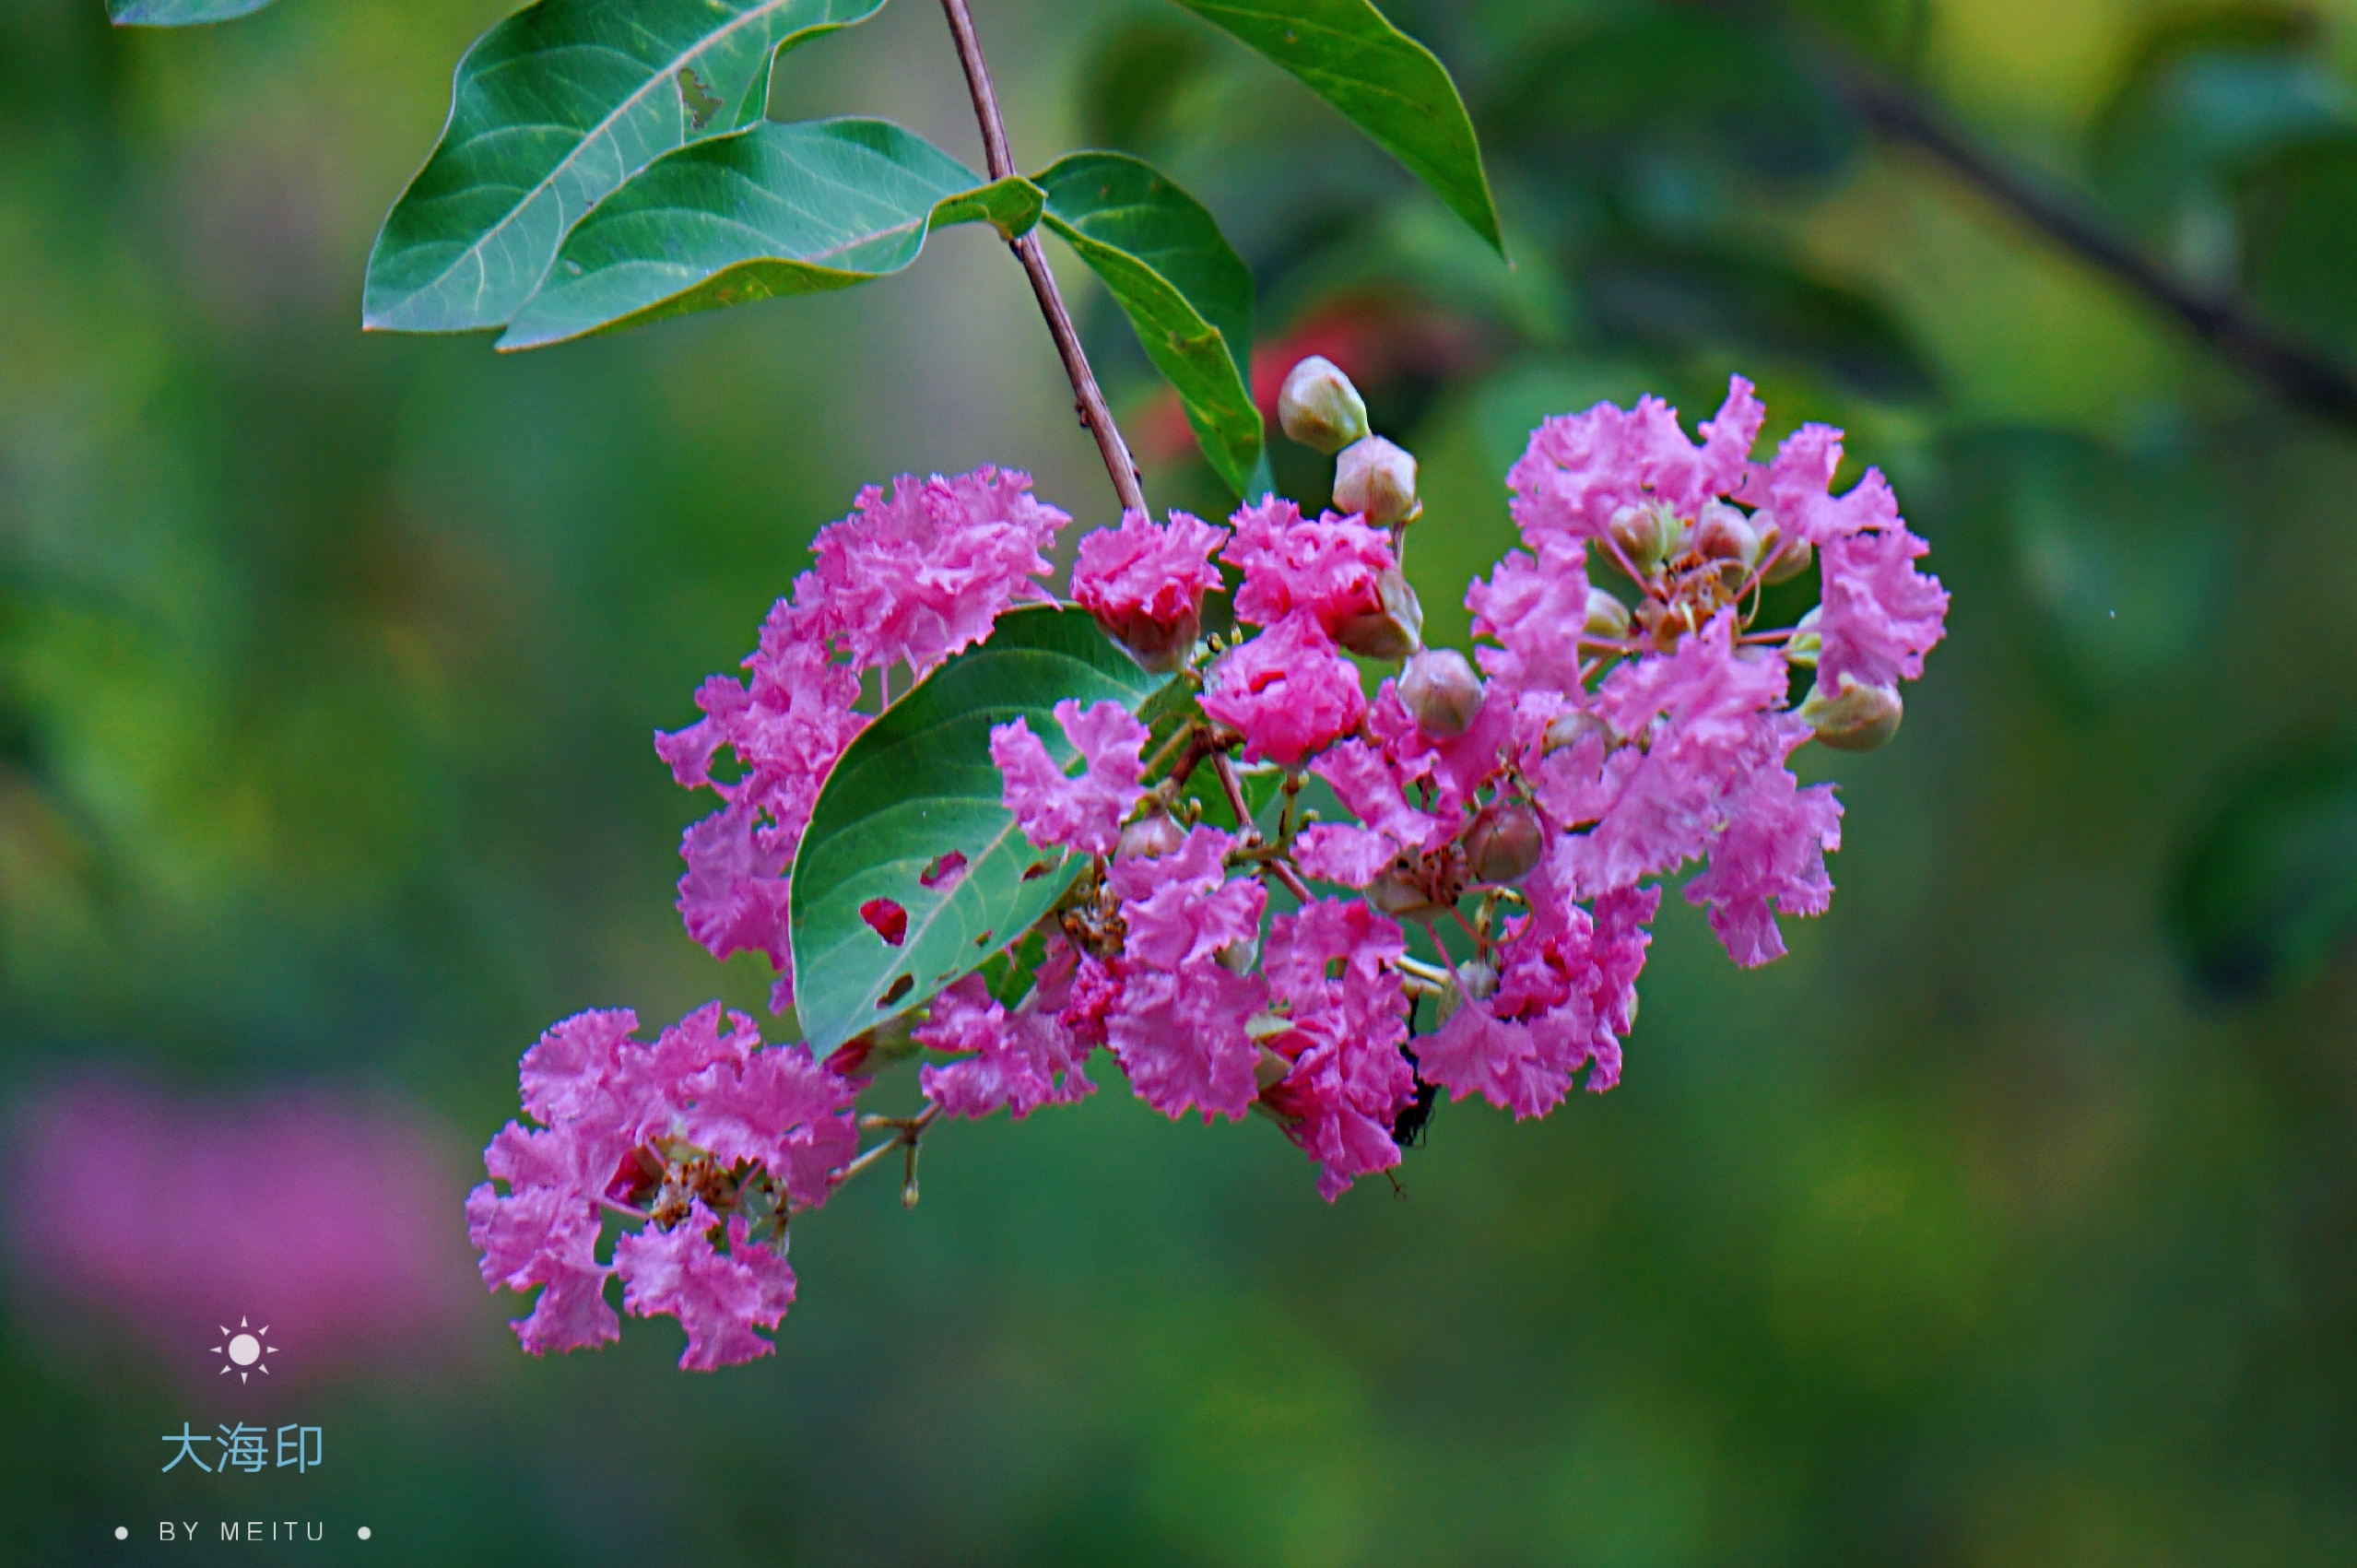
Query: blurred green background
x,y
2012,1220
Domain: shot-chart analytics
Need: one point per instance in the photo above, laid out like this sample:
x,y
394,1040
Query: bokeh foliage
x,y
2009,1221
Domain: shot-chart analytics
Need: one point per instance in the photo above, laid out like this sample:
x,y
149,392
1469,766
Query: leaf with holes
x,y
1390,86
554,109
178,12
1181,284
917,787
774,211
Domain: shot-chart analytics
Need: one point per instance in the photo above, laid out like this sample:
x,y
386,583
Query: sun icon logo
x,y
243,1350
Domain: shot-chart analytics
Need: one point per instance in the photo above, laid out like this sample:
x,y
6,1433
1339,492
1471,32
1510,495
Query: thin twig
x,y
2299,373
1087,399
1178,737
1235,790
909,1132
1431,973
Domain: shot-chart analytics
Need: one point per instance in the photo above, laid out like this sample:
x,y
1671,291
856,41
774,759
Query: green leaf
x,y
1183,288
917,785
774,211
178,12
552,109
1390,86
2267,893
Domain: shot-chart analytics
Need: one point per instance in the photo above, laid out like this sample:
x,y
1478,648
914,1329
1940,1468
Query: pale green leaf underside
x,y
1390,86
774,211
553,109
177,13
918,784
1182,287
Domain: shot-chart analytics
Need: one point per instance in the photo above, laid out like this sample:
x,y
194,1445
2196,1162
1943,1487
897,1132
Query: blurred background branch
x,y
1906,115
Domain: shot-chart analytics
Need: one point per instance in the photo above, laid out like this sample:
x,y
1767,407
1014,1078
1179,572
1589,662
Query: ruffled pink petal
x,y
1345,856
1180,1036
1289,691
1880,614
1363,780
1144,582
1772,853
782,1108
718,1299
541,1236
1657,807
1015,1062
925,574
1580,468
1056,812
1535,609
1327,567
735,897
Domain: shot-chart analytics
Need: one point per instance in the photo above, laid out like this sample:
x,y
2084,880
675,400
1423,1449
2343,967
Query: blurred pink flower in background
x,y
332,1219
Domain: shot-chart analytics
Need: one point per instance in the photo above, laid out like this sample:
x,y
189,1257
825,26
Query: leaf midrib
x,y
533,193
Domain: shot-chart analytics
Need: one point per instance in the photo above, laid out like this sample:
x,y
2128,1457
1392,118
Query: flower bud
x,y
1856,718
1319,408
1477,980
1161,647
1439,688
1504,841
1790,557
1806,643
1149,837
1402,894
1646,534
1608,617
1570,729
1377,481
1392,633
1721,532
1237,958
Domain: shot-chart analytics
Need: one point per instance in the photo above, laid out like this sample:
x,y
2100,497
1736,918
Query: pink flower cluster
x,y
705,1117
1471,922
907,580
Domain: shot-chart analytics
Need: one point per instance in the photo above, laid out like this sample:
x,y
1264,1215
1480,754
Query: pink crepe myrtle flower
x,y
1657,808
324,1214
1145,583
1347,1079
1179,1027
1535,609
1329,567
1580,468
1880,614
703,1109
1363,780
1289,691
910,578
1566,998
1016,1061
718,1299
1085,813
1772,852
1342,853
918,577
